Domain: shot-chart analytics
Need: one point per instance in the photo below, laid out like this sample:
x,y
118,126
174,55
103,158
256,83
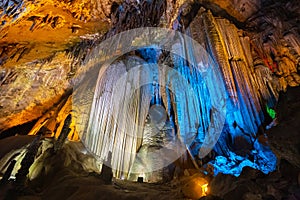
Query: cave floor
x,y
71,186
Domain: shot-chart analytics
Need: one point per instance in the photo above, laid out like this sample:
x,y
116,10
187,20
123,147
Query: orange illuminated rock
x,y
195,187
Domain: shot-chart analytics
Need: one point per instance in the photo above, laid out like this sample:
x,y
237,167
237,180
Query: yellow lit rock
x,y
195,187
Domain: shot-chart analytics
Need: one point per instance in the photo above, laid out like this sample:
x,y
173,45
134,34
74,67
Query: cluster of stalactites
x,y
222,78
231,51
275,45
247,93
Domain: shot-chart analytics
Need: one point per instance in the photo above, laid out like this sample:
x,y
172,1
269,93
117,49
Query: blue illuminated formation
x,y
151,56
237,145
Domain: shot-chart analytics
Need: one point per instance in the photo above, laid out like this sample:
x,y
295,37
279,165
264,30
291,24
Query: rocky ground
x,y
68,175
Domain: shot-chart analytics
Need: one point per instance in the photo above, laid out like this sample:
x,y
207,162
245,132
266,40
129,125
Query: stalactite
x,y
294,42
220,54
134,14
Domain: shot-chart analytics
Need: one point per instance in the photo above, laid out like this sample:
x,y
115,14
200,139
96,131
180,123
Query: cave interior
x,y
150,99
